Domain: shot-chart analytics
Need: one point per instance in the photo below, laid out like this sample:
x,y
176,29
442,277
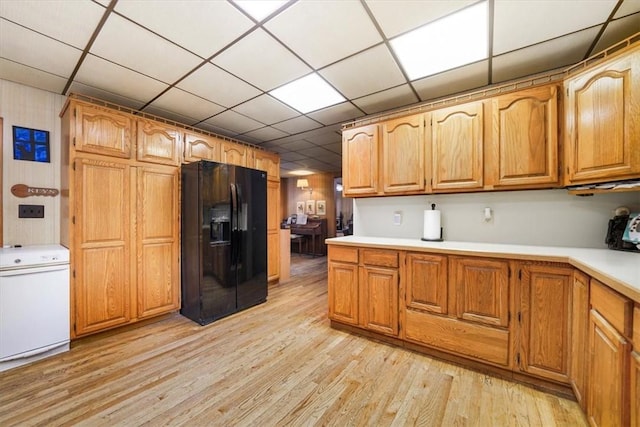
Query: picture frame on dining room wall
x,y
300,208
321,207
311,207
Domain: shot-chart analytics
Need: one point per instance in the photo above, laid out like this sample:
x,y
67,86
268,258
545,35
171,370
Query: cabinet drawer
x,y
343,254
380,258
612,306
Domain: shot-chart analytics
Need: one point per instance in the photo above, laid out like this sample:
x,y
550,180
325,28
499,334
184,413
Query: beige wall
x,y
25,106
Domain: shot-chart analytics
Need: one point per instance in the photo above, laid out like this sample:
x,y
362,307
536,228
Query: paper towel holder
x,y
433,207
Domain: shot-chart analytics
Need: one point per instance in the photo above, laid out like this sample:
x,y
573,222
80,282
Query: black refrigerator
x,y
224,240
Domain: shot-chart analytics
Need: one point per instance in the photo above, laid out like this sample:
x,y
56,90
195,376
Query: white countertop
x,y
617,269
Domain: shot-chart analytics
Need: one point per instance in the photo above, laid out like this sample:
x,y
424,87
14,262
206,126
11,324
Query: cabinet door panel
x,y
635,388
201,147
268,162
273,230
608,365
273,255
360,168
579,336
343,292
158,143
403,154
457,135
102,216
603,131
544,338
524,145
379,299
481,290
426,283
157,241
103,131
233,154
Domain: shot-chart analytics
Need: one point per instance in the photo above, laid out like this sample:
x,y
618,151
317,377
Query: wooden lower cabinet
x,y
607,403
101,248
545,321
125,243
635,388
379,299
157,241
273,230
579,336
426,280
342,283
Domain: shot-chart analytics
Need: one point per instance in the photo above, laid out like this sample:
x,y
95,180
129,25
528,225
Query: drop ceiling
x,y
208,64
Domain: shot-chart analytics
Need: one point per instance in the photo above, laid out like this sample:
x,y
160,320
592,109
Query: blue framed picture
x,y
31,144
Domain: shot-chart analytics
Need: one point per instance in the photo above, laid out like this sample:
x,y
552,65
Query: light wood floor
x,y
274,365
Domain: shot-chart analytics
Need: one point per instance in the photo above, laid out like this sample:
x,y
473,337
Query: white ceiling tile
x,y
324,138
290,165
553,54
218,86
335,147
235,122
399,96
266,109
292,156
618,30
265,134
399,16
28,76
203,27
35,50
627,8
367,72
546,19
144,52
119,80
322,32
336,114
69,21
99,93
187,105
297,145
297,124
453,81
170,115
215,129
261,60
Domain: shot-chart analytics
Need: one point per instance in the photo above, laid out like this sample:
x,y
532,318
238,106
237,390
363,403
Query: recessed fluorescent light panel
x,y
455,40
259,9
308,93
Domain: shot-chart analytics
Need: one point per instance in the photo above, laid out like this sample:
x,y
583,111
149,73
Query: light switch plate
x,y
397,218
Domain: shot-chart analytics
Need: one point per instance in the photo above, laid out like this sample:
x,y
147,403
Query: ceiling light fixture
x,y
300,172
308,93
455,40
259,9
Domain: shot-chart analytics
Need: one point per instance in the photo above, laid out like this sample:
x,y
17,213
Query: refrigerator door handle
x,y
234,224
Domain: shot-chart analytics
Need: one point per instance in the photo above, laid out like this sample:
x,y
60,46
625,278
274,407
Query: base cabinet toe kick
x,y
541,322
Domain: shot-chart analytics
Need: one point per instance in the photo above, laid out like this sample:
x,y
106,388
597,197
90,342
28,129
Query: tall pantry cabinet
x,y
120,200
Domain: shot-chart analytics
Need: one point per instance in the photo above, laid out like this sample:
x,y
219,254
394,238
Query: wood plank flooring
x,y
277,364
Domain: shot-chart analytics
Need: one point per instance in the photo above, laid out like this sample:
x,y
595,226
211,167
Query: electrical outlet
x,y
30,211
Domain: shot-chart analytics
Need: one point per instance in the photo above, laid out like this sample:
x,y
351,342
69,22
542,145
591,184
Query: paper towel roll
x,y
431,225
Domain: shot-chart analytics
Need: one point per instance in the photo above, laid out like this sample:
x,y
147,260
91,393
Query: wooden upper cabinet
x,y
360,165
158,143
403,154
201,147
157,240
523,149
102,131
603,130
233,154
426,285
480,290
456,141
545,321
268,162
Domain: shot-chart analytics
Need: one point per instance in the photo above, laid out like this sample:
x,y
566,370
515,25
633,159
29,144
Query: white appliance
x,y
34,303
